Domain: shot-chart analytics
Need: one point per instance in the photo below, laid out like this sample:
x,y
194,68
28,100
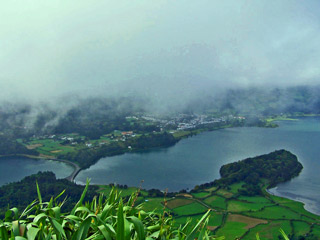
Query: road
x,y
76,168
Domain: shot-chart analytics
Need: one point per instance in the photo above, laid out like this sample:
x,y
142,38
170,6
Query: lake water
x,y
13,169
197,160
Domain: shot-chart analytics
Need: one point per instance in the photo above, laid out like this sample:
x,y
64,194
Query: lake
x,y
13,169
197,160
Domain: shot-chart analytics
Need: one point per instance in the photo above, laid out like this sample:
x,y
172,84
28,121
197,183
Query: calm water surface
x,y
198,159
15,168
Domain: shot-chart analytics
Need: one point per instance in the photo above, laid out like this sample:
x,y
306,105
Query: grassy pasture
x,y
224,193
215,219
200,194
275,212
153,204
49,147
281,118
216,201
212,189
232,230
178,202
316,231
190,209
254,199
300,228
269,231
238,206
235,187
181,134
304,218
250,222
298,206
183,219
280,200
34,146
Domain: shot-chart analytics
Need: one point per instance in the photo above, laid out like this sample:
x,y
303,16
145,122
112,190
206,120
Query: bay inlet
x,y
197,160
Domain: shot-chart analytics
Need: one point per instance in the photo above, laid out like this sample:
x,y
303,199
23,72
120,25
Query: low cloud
x,y
170,52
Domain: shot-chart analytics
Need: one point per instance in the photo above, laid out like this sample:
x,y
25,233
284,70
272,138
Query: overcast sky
x,y
173,50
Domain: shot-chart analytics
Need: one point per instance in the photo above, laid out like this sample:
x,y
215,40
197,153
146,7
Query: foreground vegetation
x,y
102,218
20,194
233,214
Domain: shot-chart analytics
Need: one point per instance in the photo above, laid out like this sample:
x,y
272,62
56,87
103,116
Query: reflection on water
x,y
198,159
15,168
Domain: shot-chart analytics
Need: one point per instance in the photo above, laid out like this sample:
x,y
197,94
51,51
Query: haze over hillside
x,y
168,54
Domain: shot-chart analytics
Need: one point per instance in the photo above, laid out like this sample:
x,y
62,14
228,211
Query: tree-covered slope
x,y
20,194
265,170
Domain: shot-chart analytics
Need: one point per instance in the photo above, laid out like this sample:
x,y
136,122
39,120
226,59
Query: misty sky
x,y
173,50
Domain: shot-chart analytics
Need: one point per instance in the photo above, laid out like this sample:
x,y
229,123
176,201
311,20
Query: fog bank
x,y
172,53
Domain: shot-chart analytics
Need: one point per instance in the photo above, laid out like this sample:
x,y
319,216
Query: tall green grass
x,y
103,218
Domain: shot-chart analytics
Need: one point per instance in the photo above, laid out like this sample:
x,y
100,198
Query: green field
x,y
243,216
178,202
190,209
200,194
275,212
235,187
232,230
49,147
298,207
238,206
151,204
281,118
254,199
269,231
183,219
300,228
225,193
316,231
216,202
181,134
214,220
212,189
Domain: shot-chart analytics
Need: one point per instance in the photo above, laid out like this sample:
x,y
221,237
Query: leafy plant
x,y
102,218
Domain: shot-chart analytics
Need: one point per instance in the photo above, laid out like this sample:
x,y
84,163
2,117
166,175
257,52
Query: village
x,y
185,121
180,125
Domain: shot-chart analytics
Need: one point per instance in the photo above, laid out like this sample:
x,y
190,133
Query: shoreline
x,y
71,177
76,169
306,205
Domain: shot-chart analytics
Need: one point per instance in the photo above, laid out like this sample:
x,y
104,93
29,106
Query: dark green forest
x,y
9,146
266,170
22,193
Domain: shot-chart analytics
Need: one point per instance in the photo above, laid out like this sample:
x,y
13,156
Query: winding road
x,y
76,168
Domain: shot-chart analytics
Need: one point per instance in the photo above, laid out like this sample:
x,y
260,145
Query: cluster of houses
x,y
71,140
180,122
186,121
199,120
